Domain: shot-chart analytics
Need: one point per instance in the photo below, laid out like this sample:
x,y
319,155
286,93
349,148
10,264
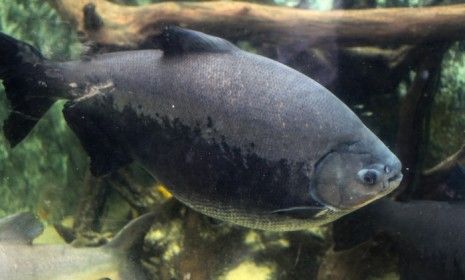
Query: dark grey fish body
x,y
232,134
429,234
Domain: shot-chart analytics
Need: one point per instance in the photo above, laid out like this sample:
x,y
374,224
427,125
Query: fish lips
x,y
393,182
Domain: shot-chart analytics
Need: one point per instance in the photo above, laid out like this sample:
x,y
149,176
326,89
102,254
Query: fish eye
x,y
368,176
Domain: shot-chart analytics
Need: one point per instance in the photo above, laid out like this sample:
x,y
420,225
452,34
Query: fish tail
x,y
23,71
129,242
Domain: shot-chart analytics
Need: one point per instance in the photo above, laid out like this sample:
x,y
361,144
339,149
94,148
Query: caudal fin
x,y
22,69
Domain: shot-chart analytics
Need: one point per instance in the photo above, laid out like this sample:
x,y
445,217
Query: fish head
x,y
352,175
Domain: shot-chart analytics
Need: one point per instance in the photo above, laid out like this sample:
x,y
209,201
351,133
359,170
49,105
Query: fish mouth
x,y
393,182
397,177
388,186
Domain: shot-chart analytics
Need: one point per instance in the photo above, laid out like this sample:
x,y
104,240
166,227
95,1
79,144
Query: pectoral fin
x,y
300,212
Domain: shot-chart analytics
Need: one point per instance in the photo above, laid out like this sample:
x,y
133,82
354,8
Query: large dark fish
x,y
234,135
20,260
430,235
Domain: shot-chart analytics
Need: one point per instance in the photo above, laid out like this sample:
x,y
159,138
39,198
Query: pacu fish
x,y
429,235
20,260
234,135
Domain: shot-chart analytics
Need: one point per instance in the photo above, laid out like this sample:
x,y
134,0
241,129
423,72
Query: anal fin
x,y
99,141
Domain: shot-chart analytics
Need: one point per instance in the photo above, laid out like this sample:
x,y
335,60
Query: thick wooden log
x,y
128,26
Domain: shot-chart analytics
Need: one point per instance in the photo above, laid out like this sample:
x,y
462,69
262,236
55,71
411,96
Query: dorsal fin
x,y
132,235
20,228
175,40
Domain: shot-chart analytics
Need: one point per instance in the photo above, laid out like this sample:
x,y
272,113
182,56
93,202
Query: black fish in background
x,y
234,135
429,235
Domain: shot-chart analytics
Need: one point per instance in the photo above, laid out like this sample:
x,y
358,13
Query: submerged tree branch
x,y
433,181
447,164
128,26
413,117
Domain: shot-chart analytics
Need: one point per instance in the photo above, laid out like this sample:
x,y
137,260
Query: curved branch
x,y
437,174
447,164
129,26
